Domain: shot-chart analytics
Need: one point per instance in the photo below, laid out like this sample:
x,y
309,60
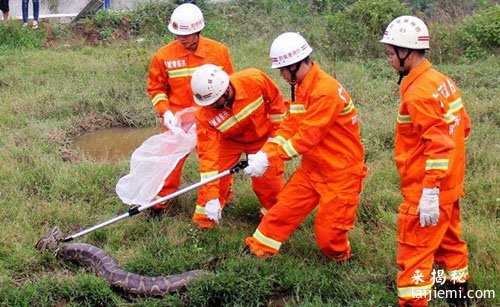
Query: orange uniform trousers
x,y
265,187
337,203
419,248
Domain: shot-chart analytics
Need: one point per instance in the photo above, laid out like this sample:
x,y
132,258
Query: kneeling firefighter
x,y
323,128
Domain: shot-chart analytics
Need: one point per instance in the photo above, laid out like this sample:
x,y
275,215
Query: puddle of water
x,y
114,144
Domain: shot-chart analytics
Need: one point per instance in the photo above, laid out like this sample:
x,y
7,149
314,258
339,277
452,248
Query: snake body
x,y
108,268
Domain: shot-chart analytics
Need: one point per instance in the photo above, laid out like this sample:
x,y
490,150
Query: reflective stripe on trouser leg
x,y
295,202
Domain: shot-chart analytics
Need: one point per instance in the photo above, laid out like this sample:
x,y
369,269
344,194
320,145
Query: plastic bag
x,y
155,159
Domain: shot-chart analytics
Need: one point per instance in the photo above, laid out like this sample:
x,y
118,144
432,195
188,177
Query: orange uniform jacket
x,y
431,127
171,69
323,128
254,116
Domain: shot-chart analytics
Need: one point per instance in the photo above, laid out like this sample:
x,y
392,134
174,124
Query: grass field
x,y
48,96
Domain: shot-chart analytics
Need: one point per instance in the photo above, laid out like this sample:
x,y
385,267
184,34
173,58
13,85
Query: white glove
x,y
257,164
428,207
170,121
213,210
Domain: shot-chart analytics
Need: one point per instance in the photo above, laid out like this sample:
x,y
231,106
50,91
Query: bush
x,y
480,33
445,45
357,29
13,35
151,18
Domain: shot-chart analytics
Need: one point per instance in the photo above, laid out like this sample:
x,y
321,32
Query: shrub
x,y
444,42
480,33
357,29
13,35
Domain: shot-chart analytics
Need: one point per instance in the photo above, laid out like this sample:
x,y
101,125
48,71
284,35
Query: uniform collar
x,y
200,51
414,74
309,80
239,91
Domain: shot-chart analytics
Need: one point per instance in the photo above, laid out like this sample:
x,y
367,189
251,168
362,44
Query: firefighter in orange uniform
x,y
323,129
432,126
171,69
238,115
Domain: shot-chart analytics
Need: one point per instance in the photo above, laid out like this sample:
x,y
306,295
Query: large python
x,y
106,267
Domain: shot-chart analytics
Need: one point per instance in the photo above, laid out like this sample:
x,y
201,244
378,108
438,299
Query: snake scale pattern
x,y
107,267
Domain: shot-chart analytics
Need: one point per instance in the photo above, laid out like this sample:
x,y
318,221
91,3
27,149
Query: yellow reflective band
x,y
286,145
199,210
244,113
263,211
297,108
266,240
449,118
459,275
290,150
278,117
404,119
159,97
437,164
348,108
231,121
183,72
278,140
455,106
414,292
206,175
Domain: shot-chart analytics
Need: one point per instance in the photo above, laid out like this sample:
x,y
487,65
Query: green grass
x,y
47,96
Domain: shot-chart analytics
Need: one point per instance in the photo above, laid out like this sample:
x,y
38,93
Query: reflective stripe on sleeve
x,y
348,108
278,117
297,108
286,145
199,210
244,113
159,97
404,119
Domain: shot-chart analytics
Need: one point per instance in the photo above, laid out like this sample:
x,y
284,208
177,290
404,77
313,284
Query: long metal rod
x,y
136,210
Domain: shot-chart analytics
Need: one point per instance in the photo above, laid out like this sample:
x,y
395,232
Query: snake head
x,y
50,241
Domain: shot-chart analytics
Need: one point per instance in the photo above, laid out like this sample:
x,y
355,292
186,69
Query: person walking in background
x,y
323,128
36,11
4,7
169,79
432,126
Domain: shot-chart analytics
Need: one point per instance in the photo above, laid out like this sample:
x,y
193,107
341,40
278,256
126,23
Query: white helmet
x,y
186,19
208,83
407,32
287,49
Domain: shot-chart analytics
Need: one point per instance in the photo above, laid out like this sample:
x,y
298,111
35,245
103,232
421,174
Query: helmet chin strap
x,y
293,78
402,72
228,99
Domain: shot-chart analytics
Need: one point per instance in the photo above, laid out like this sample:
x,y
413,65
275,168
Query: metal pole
x,y
136,210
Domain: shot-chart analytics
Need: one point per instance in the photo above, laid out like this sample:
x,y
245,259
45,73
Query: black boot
x,y
458,294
